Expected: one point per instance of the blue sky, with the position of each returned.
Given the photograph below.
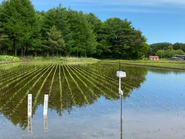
(159, 20)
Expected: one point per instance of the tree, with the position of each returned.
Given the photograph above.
(55, 41)
(83, 38)
(153, 48)
(122, 40)
(20, 23)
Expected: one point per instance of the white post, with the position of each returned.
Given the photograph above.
(121, 74)
(29, 105)
(29, 125)
(45, 112)
(45, 123)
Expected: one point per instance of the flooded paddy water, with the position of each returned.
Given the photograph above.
(84, 102)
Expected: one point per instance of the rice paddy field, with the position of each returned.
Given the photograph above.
(84, 102)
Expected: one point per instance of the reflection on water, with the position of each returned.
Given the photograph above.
(29, 125)
(46, 123)
(84, 102)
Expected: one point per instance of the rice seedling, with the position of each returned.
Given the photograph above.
(69, 87)
(84, 83)
(16, 93)
(17, 78)
(22, 81)
(28, 91)
(60, 85)
(85, 97)
(41, 87)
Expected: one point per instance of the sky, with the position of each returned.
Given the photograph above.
(159, 20)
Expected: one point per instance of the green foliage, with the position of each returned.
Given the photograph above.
(169, 53)
(118, 39)
(55, 42)
(166, 49)
(61, 31)
(8, 58)
(19, 22)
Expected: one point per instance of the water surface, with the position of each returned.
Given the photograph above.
(84, 102)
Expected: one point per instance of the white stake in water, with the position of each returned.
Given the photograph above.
(45, 123)
(121, 74)
(29, 125)
(45, 112)
(29, 105)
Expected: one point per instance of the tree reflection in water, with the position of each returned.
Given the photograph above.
(68, 86)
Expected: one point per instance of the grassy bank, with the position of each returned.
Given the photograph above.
(163, 63)
(67, 60)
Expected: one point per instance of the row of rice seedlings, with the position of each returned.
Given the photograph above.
(126, 101)
(104, 78)
(26, 94)
(154, 95)
(52, 81)
(94, 82)
(16, 93)
(157, 102)
(76, 83)
(159, 98)
(60, 86)
(10, 71)
(41, 87)
(142, 102)
(80, 79)
(69, 87)
(34, 72)
(131, 82)
(14, 73)
(39, 91)
(17, 75)
(128, 85)
(16, 78)
(115, 86)
(92, 74)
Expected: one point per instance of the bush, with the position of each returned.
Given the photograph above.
(8, 58)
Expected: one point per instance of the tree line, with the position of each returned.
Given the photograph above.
(166, 50)
(64, 32)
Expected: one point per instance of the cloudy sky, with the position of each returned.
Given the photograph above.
(159, 20)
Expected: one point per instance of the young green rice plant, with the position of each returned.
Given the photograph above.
(85, 97)
(26, 94)
(52, 81)
(15, 79)
(13, 73)
(96, 82)
(84, 83)
(9, 89)
(104, 79)
(41, 87)
(17, 73)
(69, 87)
(60, 85)
(16, 93)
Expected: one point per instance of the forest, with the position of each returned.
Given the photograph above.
(166, 50)
(62, 31)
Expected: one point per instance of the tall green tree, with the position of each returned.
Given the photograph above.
(57, 17)
(20, 23)
(120, 40)
(55, 42)
(83, 38)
